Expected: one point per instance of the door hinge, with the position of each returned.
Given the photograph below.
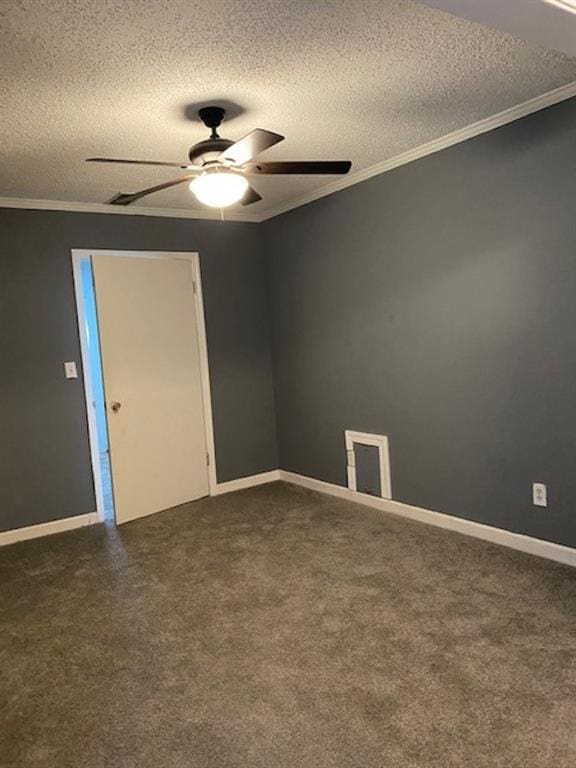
(207, 459)
(194, 286)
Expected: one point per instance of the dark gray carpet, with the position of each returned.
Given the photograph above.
(278, 627)
(106, 480)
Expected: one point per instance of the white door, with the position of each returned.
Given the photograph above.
(152, 382)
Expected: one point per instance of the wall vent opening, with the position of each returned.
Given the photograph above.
(368, 463)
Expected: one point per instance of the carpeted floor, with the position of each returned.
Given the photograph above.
(278, 627)
(106, 479)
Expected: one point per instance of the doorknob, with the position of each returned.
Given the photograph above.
(115, 405)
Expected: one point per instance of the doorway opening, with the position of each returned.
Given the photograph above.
(94, 362)
(146, 380)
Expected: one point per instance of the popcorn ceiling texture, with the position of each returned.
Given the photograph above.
(362, 80)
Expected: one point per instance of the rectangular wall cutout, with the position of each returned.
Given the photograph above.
(375, 486)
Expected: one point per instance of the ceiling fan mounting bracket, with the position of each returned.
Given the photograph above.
(212, 118)
(208, 150)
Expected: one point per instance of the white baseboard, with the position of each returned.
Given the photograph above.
(46, 529)
(246, 482)
(519, 541)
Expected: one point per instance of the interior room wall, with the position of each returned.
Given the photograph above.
(436, 304)
(45, 470)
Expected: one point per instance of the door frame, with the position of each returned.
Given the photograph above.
(78, 256)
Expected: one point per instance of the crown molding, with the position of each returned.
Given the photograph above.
(171, 213)
(524, 109)
(566, 5)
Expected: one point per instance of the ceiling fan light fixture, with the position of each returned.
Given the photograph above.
(223, 165)
(219, 187)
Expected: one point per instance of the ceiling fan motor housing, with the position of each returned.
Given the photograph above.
(208, 150)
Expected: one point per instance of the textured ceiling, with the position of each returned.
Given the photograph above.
(551, 23)
(363, 80)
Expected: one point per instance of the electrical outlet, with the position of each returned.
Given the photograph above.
(70, 370)
(539, 495)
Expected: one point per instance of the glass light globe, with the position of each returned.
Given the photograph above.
(219, 188)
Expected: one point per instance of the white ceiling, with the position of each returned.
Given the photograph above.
(364, 80)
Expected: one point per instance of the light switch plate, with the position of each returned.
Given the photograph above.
(70, 370)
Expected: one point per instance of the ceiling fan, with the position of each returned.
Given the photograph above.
(218, 167)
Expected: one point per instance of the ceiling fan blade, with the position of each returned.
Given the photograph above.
(251, 145)
(299, 167)
(251, 196)
(138, 162)
(131, 197)
(120, 199)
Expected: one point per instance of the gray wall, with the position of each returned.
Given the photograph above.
(437, 304)
(45, 470)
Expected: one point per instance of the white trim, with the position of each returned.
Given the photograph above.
(565, 5)
(205, 373)
(377, 441)
(247, 482)
(504, 117)
(547, 549)
(170, 213)
(456, 137)
(78, 255)
(47, 529)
